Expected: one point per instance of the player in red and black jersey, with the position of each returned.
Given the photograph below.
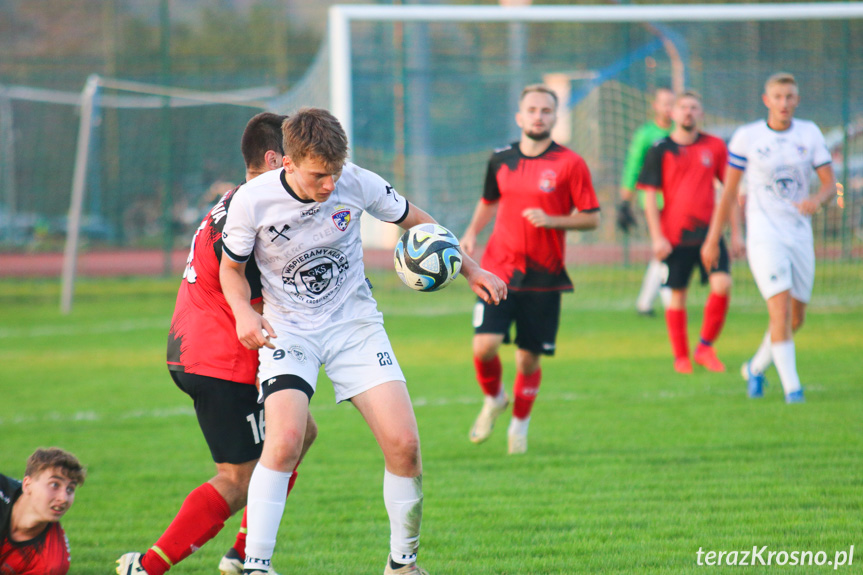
(684, 167)
(207, 362)
(32, 542)
(535, 190)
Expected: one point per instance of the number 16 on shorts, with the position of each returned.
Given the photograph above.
(258, 426)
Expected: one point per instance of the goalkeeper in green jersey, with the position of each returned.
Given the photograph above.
(642, 140)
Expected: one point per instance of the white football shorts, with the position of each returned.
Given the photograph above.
(778, 266)
(357, 356)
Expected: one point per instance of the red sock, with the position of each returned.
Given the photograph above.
(202, 515)
(714, 317)
(675, 319)
(240, 543)
(488, 374)
(525, 389)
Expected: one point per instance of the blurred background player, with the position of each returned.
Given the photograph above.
(643, 138)
(684, 167)
(303, 225)
(535, 190)
(32, 542)
(778, 156)
(207, 362)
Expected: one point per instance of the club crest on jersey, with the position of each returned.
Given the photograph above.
(342, 217)
(548, 181)
(315, 276)
(786, 182)
(706, 159)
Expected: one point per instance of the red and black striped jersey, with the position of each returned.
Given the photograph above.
(203, 338)
(685, 176)
(557, 181)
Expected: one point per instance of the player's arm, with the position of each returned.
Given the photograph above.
(485, 284)
(250, 324)
(582, 221)
(727, 206)
(483, 214)
(825, 192)
(661, 245)
(632, 165)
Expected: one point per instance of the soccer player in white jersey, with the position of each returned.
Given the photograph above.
(778, 156)
(303, 225)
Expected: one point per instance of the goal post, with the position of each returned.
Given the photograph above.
(426, 92)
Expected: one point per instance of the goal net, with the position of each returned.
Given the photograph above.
(426, 93)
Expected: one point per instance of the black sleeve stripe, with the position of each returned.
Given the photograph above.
(404, 215)
(827, 163)
(235, 257)
(590, 211)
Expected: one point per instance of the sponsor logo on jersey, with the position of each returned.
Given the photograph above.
(276, 233)
(342, 217)
(548, 181)
(315, 276)
(310, 212)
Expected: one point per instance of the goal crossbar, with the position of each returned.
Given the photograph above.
(341, 16)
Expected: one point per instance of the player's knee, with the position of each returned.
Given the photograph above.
(797, 321)
(721, 283)
(284, 451)
(405, 451)
(311, 434)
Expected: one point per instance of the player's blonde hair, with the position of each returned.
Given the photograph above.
(540, 88)
(785, 78)
(314, 132)
(54, 457)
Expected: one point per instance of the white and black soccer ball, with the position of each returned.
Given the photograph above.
(427, 257)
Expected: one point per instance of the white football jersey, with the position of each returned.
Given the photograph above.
(310, 254)
(779, 168)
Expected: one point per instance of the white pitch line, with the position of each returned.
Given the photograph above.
(420, 402)
(74, 330)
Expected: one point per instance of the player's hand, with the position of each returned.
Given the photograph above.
(661, 248)
(253, 331)
(537, 217)
(809, 206)
(468, 243)
(489, 287)
(710, 254)
(625, 217)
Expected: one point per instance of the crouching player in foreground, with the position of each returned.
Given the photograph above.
(778, 156)
(302, 224)
(32, 542)
(207, 362)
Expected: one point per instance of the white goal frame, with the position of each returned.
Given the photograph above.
(342, 15)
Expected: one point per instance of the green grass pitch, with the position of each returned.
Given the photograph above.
(631, 468)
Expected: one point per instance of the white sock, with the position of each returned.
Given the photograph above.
(649, 286)
(665, 296)
(403, 498)
(763, 357)
(266, 505)
(786, 364)
(518, 426)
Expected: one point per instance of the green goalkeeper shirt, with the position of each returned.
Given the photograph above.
(644, 137)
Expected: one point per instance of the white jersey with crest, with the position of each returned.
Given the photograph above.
(310, 254)
(779, 168)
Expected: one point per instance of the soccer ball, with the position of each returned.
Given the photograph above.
(427, 257)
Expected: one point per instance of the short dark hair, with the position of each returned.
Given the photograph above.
(262, 134)
(51, 457)
(314, 132)
(690, 94)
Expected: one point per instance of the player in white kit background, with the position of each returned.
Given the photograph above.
(303, 225)
(777, 157)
